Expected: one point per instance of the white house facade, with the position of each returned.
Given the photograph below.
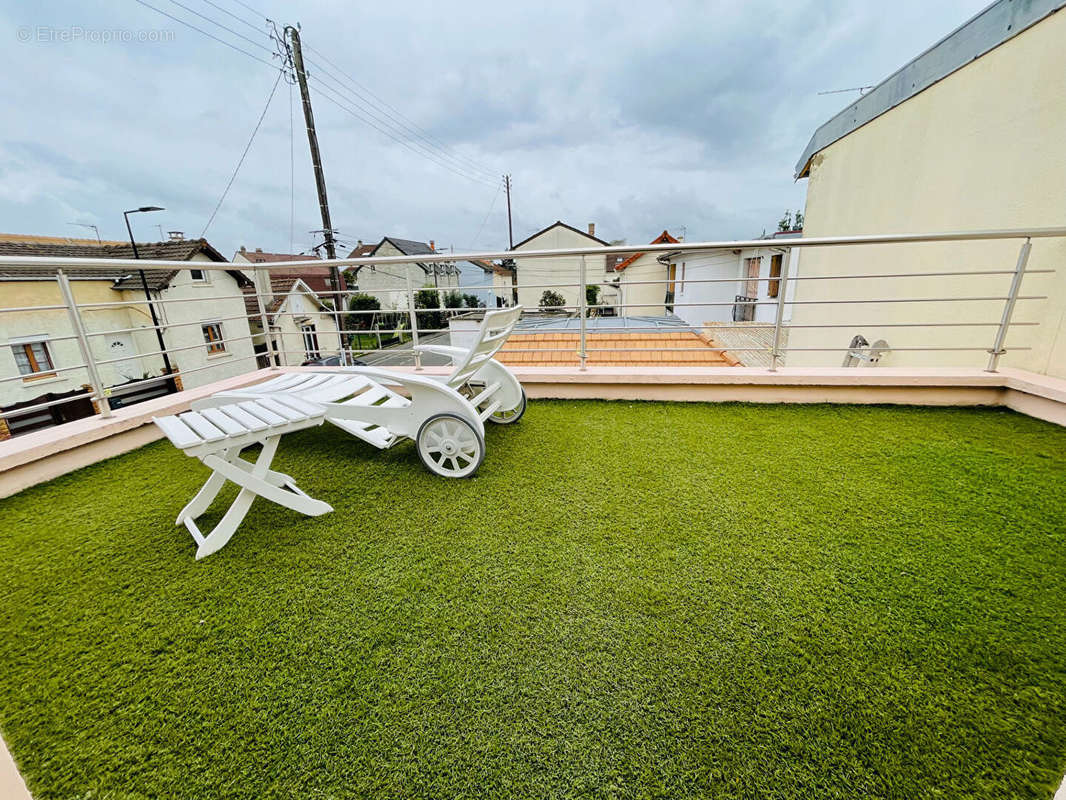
(389, 282)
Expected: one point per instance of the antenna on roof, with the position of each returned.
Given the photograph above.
(859, 89)
(86, 225)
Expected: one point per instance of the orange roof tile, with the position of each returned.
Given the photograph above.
(669, 348)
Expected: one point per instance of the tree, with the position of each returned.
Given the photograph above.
(790, 223)
(471, 301)
(453, 300)
(551, 298)
(363, 302)
(592, 298)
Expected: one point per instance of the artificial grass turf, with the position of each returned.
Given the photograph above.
(629, 600)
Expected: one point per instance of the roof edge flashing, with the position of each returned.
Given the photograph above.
(987, 30)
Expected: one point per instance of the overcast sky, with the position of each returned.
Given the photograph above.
(637, 117)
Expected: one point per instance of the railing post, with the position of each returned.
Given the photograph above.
(83, 342)
(272, 352)
(414, 321)
(582, 300)
(775, 348)
(1008, 309)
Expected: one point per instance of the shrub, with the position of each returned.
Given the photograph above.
(551, 298)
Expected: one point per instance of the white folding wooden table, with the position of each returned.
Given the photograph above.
(217, 436)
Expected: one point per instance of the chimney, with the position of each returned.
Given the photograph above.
(176, 236)
(242, 249)
(259, 249)
(433, 245)
(360, 243)
(592, 229)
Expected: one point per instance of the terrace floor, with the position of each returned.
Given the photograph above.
(629, 599)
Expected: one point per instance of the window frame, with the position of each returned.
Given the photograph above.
(216, 345)
(777, 263)
(25, 344)
(751, 282)
(309, 329)
(203, 275)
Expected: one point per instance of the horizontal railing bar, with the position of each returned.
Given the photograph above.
(39, 406)
(125, 266)
(791, 278)
(40, 375)
(165, 327)
(180, 349)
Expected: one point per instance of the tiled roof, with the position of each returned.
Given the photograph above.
(30, 238)
(182, 250)
(408, 247)
(280, 288)
(623, 350)
(259, 257)
(362, 250)
(662, 238)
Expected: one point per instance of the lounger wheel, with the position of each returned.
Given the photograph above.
(450, 446)
(510, 417)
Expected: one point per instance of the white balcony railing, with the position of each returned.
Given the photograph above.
(395, 330)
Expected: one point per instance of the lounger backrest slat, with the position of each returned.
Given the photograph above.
(254, 408)
(180, 434)
(342, 387)
(223, 422)
(280, 409)
(249, 421)
(282, 384)
(203, 427)
(302, 407)
(495, 329)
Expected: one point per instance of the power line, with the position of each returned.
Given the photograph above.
(391, 132)
(224, 27)
(492, 205)
(231, 14)
(400, 118)
(209, 35)
(326, 93)
(247, 147)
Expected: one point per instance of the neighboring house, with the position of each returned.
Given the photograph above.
(562, 274)
(725, 286)
(316, 277)
(638, 297)
(301, 326)
(389, 282)
(967, 136)
(207, 338)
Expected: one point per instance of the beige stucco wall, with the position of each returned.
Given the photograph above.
(217, 300)
(557, 270)
(644, 299)
(981, 149)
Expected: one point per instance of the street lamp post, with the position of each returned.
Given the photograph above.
(144, 285)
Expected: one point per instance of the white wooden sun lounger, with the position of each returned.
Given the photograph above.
(444, 415)
(217, 435)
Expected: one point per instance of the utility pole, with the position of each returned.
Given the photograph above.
(510, 242)
(320, 180)
(510, 232)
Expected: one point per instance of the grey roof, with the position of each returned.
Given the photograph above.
(999, 22)
(157, 279)
(409, 247)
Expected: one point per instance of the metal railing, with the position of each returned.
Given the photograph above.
(411, 313)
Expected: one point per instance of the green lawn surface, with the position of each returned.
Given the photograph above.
(628, 600)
